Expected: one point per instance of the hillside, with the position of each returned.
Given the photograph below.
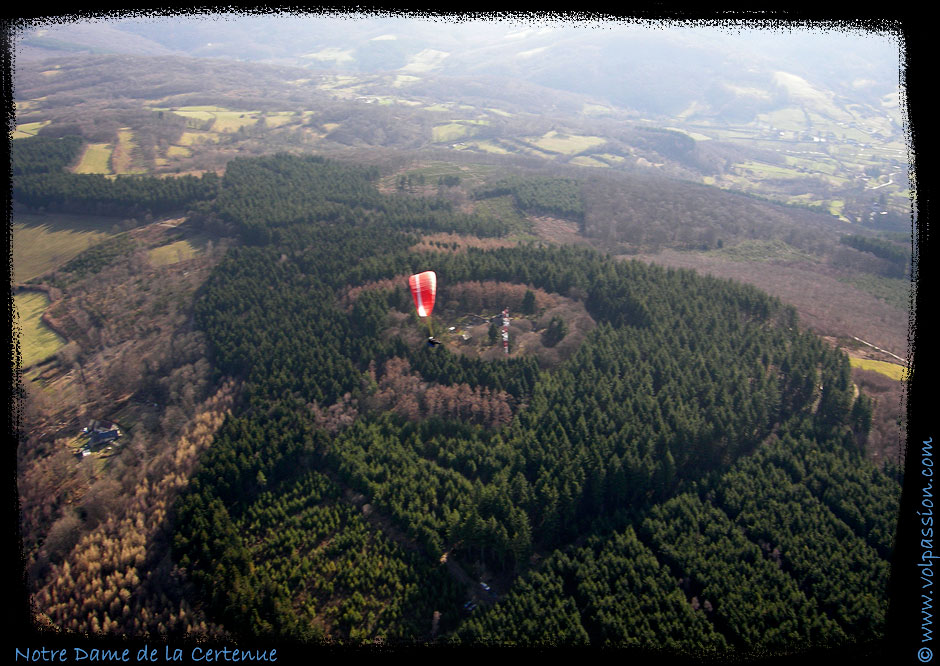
(688, 445)
(423, 472)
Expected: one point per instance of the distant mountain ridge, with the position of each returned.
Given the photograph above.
(706, 72)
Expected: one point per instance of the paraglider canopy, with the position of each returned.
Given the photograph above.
(423, 289)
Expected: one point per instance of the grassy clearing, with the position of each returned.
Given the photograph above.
(280, 118)
(584, 160)
(489, 147)
(455, 130)
(44, 242)
(172, 253)
(503, 208)
(223, 120)
(232, 121)
(892, 370)
(96, 159)
(29, 129)
(178, 151)
(449, 132)
(37, 341)
(566, 144)
(194, 114)
(758, 250)
(195, 138)
(693, 135)
(766, 170)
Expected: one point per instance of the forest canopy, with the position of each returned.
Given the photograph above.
(680, 481)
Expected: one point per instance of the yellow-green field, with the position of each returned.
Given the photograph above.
(766, 170)
(44, 242)
(584, 160)
(596, 110)
(892, 370)
(566, 144)
(195, 138)
(95, 159)
(29, 129)
(280, 118)
(37, 341)
(489, 147)
(232, 121)
(172, 253)
(178, 151)
(455, 130)
(761, 250)
(224, 120)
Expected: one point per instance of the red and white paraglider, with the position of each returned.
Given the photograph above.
(423, 290)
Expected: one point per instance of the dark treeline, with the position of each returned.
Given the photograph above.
(672, 446)
(540, 195)
(260, 196)
(43, 154)
(899, 257)
(130, 196)
(40, 181)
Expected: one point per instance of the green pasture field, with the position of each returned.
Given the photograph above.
(584, 160)
(760, 250)
(566, 144)
(455, 130)
(489, 146)
(280, 118)
(96, 159)
(178, 151)
(231, 121)
(892, 370)
(29, 129)
(37, 341)
(693, 135)
(610, 158)
(225, 120)
(172, 253)
(194, 138)
(765, 170)
(44, 242)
